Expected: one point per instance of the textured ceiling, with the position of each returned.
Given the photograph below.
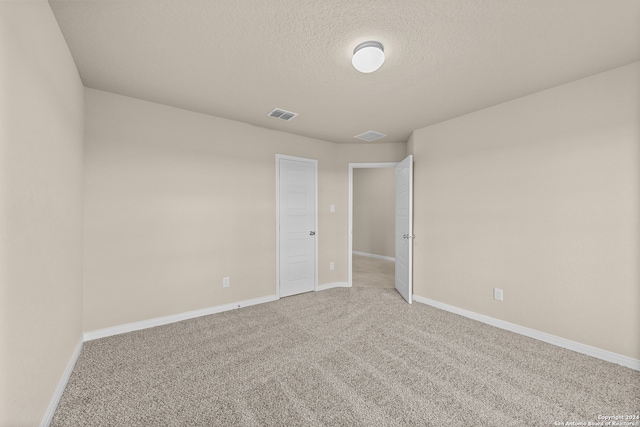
(239, 59)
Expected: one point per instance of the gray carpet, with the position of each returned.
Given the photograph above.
(353, 357)
(368, 272)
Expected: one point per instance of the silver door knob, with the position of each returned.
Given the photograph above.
(312, 233)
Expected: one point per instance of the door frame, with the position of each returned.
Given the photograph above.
(315, 169)
(352, 166)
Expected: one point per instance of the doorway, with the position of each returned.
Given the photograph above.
(373, 254)
(403, 223)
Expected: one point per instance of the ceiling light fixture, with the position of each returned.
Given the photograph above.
(368, 56)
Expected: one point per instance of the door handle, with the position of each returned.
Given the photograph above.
(407, 236)
(312, 233)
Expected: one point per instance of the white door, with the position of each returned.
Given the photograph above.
(297, 225)
(404, 227)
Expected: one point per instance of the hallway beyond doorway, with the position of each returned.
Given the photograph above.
(371, 272)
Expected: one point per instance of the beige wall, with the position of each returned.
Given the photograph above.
(539, 196)
(175, 200)
(374, 211)
(41, 126)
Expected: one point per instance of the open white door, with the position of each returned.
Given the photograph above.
(404, 227)
(297, 195)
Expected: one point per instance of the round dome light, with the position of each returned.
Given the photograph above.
(368, 57)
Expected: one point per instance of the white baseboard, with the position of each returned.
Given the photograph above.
(599, 353)
(387, 258)
(57, 395)
(333, 285)
(158, 321)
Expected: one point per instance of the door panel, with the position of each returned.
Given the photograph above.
(404, 228)
(297, 219)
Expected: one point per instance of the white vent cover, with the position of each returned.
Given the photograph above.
(281, 114)
(370, 135)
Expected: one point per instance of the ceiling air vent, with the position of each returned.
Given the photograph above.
(370, 135)
(282, 114)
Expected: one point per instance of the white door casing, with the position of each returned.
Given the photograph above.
(404, 228)
(297, 225)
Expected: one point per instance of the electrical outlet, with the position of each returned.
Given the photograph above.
(331, 266)
(332, 208)
(498, 294)
(225, 282)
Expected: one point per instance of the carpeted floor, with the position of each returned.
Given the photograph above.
(368, 272)
(345, 356)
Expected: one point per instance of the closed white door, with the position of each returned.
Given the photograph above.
(404, 227)
(297, 196)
